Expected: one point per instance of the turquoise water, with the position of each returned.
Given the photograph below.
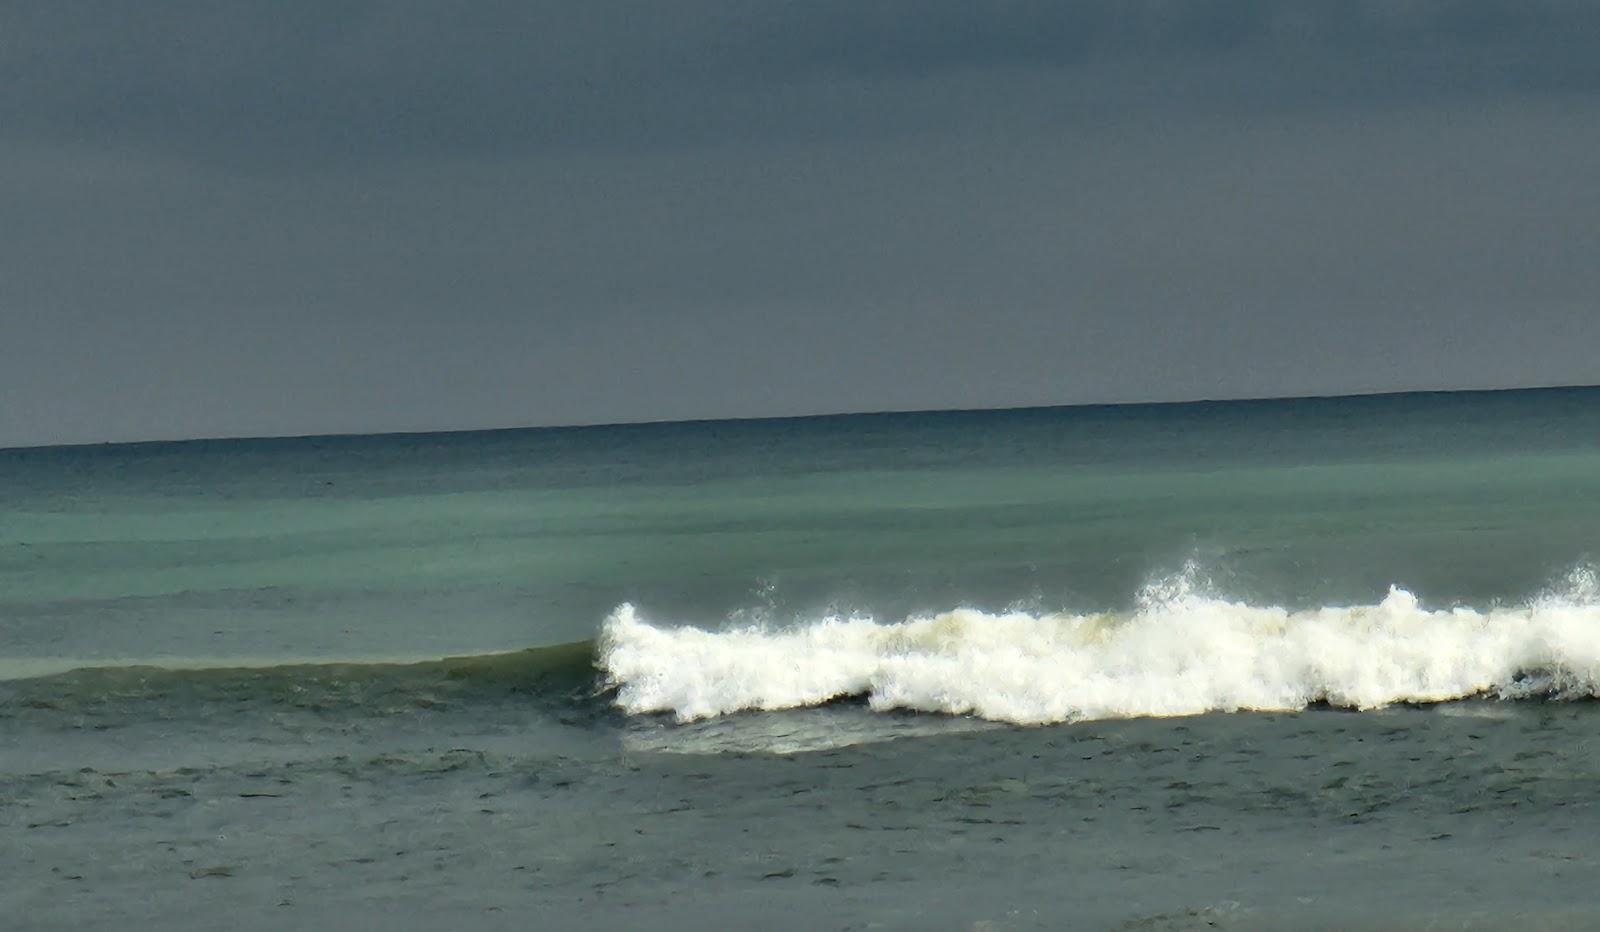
(423, 545)
(1268, 665)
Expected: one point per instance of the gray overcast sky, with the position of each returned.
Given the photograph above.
(300, 217)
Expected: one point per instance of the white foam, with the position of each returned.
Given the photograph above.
(1178, 653)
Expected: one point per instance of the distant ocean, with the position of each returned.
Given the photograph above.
(1319, 663)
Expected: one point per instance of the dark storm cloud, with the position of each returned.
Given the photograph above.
(402, 80)
(293, 217)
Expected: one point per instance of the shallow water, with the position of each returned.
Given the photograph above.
(489, 814)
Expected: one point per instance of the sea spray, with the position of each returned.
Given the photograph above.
(1180, 651)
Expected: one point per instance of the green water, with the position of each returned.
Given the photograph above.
(422, 545)
(261, 784)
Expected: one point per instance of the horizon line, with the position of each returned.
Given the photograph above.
(814, 416)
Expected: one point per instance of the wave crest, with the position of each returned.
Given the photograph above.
(1178, 653)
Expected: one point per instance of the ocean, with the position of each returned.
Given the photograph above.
(1292, 664)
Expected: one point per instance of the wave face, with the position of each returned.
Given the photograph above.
(1179, 652)
(558, 673)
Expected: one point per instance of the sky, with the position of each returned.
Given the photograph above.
(244, 219)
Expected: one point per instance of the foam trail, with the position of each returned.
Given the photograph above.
(1178, 653)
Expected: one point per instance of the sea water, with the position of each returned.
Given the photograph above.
(1321, 662)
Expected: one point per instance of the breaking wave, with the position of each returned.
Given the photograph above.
(1180, 651)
